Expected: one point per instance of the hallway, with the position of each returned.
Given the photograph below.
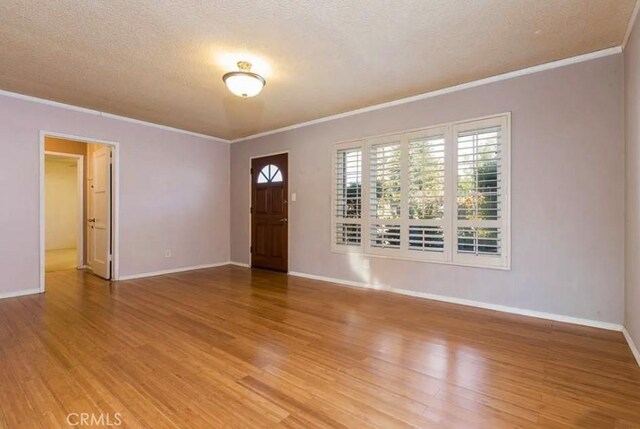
(60, 260)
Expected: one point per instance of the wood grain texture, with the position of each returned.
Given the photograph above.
(269, 213)
(240, 348)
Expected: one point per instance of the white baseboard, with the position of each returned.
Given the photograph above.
(471, 303)
(332, 280)
(20, 293)
(514, 310)
(632, 345)
(172, 271)
(239, 264)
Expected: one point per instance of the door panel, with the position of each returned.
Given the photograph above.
(269, 212)
(278, 206)
(277, 233)
(261, 205)
(100, 215)
(260, 247)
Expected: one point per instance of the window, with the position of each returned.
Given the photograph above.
(348, 191)
(270, 174)
(439, 194)
(426, 192)
(385, 195)
(479, 189)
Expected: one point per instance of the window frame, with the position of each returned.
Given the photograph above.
(449, 222)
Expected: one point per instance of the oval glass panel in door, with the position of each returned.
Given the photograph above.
(269, 174)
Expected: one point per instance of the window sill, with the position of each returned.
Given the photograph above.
(427, 261)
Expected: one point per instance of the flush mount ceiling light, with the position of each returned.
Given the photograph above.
(244, 83)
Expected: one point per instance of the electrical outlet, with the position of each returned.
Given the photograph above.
(167, 253)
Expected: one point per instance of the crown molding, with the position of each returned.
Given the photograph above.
(448, 90)
(632, 21)
(107, 115)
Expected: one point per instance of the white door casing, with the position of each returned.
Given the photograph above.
(114, 200)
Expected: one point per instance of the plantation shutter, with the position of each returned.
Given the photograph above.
(480, 221)
(426, 191)
(437, 194)
(348, 197)
(385, 195)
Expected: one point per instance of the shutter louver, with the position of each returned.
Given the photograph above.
(426, 178)
(426, 238)
(348, 197)
(479, 241)
(385, 181)
(348, 234)
(385, 236)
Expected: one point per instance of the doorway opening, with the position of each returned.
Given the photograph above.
(270, 212)
(78, 205)
(64, 211)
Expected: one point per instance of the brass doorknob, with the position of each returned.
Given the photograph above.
(284, 219)
(93, 219)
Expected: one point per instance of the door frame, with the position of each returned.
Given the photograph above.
(80, 209)
(288, 202)
(115, 198)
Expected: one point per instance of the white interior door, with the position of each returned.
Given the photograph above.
(100, 213)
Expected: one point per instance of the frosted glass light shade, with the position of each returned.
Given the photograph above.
(244, 84)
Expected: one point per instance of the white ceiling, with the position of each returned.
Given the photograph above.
(162, 60)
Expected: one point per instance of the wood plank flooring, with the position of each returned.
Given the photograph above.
(239, 348)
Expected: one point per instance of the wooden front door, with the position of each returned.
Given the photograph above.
(269, 211)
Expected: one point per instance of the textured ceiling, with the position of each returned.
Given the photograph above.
(162, 60)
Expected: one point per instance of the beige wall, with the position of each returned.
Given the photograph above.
(174, 192)
(567, 193)
(632, 108)
(61, 203)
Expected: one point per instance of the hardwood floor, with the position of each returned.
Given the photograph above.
(232, 347)
(60, 260)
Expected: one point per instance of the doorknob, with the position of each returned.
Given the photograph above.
(284, 219)
(92, 220)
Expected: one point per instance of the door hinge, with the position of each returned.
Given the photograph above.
(110, 258)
